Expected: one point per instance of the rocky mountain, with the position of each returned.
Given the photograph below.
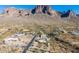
(69, 13)
(15, 12)
(39, 9)
(44, 9)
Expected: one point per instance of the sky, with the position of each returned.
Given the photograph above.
(61, 8)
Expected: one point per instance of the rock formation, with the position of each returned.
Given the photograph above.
(43, 9)
(69, 13)
(15, 12)
(11, 11)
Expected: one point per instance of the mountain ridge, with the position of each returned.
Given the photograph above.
(39, 9)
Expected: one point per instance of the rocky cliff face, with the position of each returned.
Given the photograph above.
(43, 9)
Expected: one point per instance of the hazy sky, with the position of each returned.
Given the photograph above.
(61, 8)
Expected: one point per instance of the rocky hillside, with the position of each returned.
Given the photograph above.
(15, 12)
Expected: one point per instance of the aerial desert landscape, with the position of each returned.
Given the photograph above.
(39, 30)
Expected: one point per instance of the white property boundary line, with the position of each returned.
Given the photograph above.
(39, 2)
